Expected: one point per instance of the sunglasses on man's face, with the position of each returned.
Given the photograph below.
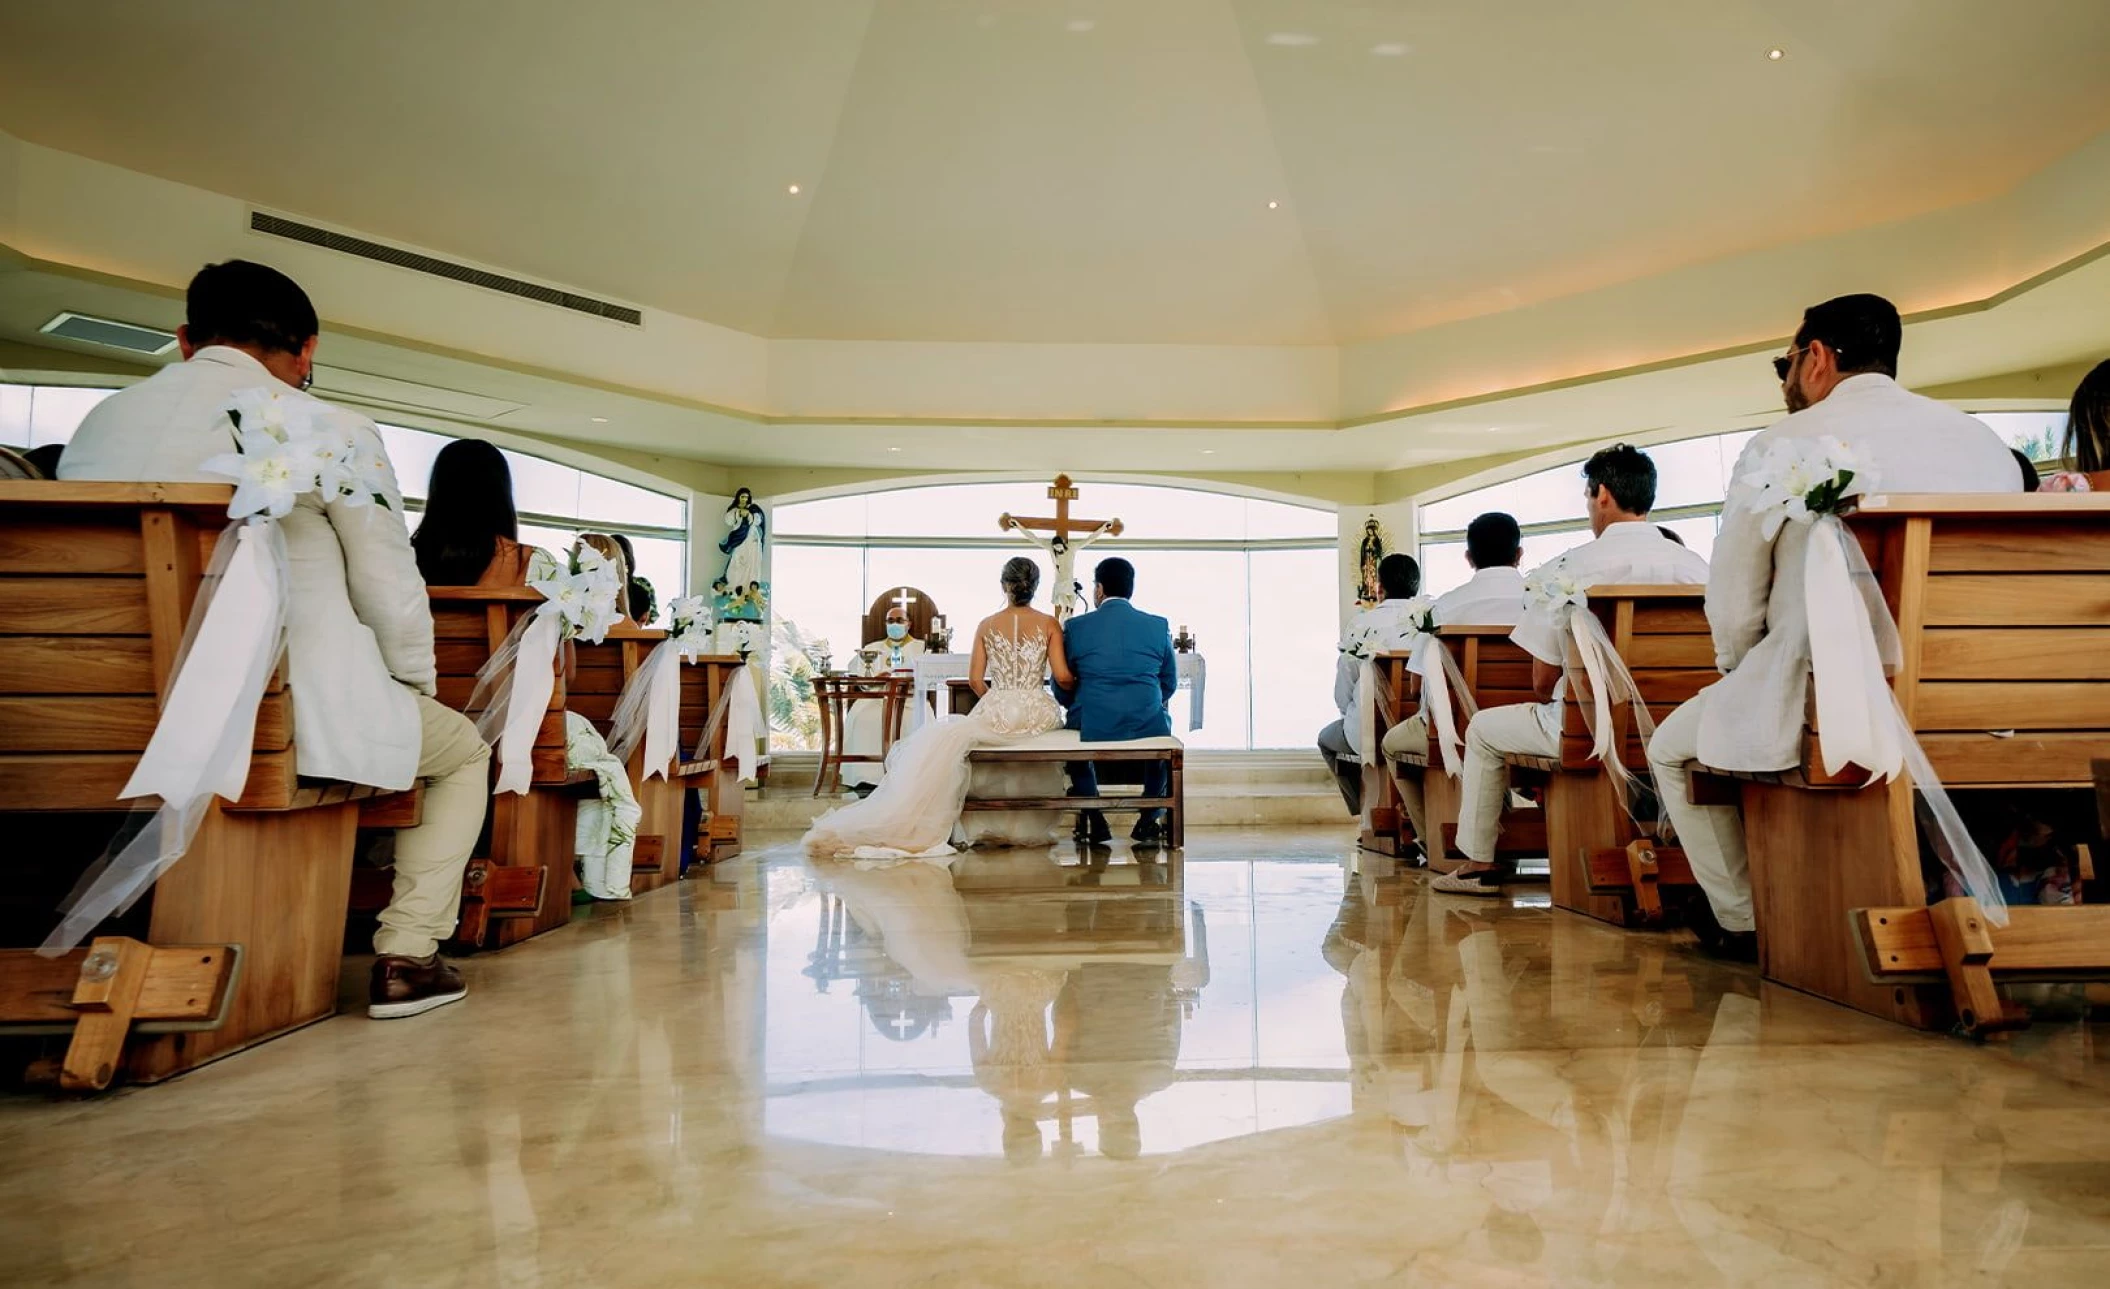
(1785, 363)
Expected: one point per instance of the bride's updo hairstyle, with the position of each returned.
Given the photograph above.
(1021, 579)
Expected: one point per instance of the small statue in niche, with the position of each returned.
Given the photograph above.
(1368, 557)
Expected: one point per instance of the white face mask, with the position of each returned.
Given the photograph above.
(897, 630)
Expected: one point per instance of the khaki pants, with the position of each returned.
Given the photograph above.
(1411, 735)
(1347, 775)
(455, 764)
(1526, 729)
(1713, 836)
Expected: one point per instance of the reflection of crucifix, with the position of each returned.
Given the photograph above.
(1063, 543)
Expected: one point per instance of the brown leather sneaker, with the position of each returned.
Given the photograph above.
(411, 986)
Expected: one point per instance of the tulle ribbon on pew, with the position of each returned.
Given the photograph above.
(200, 748)
(649, 708)
(1600, 682)
(1854, 646)
(1404, 635)
(513, 687)
(286, 445)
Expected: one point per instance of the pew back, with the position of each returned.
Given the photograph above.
(1660, 633)
(520, 881)
(2003, 612)
(97, 582)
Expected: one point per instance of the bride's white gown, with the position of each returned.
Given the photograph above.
(913, 812)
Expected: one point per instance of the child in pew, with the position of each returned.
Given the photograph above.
(2032, 839)
(470, 536)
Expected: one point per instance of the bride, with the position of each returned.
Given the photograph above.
(913, 812)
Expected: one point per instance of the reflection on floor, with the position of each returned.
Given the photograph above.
(1278, 1063)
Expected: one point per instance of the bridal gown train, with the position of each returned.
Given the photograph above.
(913, 812)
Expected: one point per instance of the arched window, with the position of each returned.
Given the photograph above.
(1253, 580)
(556, 502)
(1692, 477)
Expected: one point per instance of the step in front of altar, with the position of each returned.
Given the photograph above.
(1223, 790)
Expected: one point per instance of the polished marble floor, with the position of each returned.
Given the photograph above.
(1274, 1065)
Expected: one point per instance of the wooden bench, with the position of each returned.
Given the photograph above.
(1497, 674)
(2003, 612)
(241, 939)
(1387, 828)
(1602, 863)
(670, 829)
(1061, 747)
(520, 879)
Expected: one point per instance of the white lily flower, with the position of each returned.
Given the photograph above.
(269, 475)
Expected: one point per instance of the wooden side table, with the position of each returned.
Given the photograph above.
(835, 694)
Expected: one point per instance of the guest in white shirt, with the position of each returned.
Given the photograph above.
(1619, 489)
(1839, 380)
(1381, 628)
(1492, 597)
(359, 631)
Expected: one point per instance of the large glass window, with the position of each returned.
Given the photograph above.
(556, 502)
(1252, 580)
(1692, 479)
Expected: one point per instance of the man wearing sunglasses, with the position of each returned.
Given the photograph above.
(1839, 380)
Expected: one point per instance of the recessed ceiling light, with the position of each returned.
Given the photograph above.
(1208, 452)
(793, 190)
(1291, 39)
(1390, 49)
(1273, 204)
(1775, 55)
(599, 420)
(893, 449)
(1080, 25)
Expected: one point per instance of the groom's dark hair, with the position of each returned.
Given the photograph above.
(236, 302)
(1116, 577)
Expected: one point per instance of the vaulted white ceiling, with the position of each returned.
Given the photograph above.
(1089, 171)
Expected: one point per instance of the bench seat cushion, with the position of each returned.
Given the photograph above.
(1070, 741)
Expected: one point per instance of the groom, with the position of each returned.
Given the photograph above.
(1125, 675)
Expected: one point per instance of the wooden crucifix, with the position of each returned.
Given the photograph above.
(1066, 536)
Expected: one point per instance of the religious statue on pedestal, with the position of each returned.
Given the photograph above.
(1368, 557)
(741, 593)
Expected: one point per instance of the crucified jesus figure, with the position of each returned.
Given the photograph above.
(1065, 538)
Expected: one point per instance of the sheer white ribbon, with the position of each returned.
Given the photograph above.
(1441, 685)
(649, 709)
(743, 726)
(1853, 646)
(513, 690)
(1603, 686)
(233, 640)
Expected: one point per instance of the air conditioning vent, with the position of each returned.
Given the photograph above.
(130, 337)
(278, 226)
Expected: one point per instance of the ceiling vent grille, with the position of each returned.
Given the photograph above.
(278, 226)
(130, 337)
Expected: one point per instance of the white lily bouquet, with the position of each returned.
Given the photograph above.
(1553, 588)
(1417, 619)
(690, 623)
(584, 595)
(287, 445)
(1795, 480)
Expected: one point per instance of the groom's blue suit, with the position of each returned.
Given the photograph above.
(1126, 674)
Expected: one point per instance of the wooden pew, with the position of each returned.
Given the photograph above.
(663, 847)
(242, 939)
(520, 880)
(1602, 864)
(2003, 612)
(1388, 830)
(1061, 747)
(1497, 674)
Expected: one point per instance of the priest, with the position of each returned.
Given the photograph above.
(862, 730)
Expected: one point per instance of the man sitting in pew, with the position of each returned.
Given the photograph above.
(1840, 381)
(1492, 597)
(1619, 489)
(1381, 628)
(359, 634)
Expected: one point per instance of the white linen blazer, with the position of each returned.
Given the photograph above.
(1754, 715)
(359, 630)
(1491, 597)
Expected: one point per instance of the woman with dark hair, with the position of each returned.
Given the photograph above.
(470, 536)
(2087, 436)
(915, 811)
(470, 533)
(642, 602)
